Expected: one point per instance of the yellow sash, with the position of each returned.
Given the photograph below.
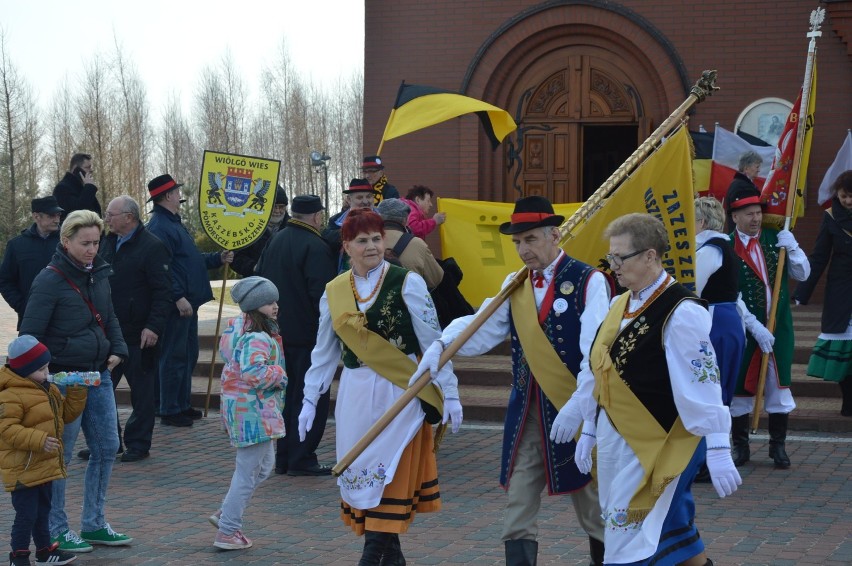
(557, 382)
(374, 351)
(663, 455)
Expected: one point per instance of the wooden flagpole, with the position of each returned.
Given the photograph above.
(703, 88)
(216, 337)
(816, 19)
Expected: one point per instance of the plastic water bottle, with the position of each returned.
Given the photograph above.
(87, 378)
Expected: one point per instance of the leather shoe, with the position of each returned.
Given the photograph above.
(85, 453)
(194, 414)
(134, 455)
(315, 470)
(176, 420)
(280, 470)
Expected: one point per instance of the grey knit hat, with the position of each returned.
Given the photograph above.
(394, 210)
(253, 292)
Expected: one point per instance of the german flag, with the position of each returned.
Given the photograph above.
(419, 107)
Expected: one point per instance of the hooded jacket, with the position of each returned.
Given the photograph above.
(58, 317)
(29, 413)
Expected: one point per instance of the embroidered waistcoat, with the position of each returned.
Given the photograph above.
(639, 355)
(388, 316)
(562, 330)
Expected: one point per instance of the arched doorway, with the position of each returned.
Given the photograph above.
(586, 82)
(576, 126)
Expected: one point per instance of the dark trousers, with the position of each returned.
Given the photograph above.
(32, 507)
(140, 370)
(178, 356)
(292, 454)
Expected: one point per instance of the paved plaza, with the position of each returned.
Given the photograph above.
(799, 516)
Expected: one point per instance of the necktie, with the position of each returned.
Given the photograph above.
(538, 279)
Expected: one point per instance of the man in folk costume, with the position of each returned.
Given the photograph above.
(661, 411)
(552, 322)
(758, 248)
(374, 171)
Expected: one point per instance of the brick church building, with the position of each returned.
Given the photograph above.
(588, 80)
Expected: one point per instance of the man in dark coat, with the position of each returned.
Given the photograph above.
(300, 263)
(28, 253)
(359, 195)
(141, 296)
(190, 290)
(246, 259)
(374, 171)
(77, 190)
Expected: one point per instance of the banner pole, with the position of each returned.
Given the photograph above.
(816, 20)
(704, 87)
(216, 338)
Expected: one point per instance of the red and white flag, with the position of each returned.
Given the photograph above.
(843, 162)
(727, 149)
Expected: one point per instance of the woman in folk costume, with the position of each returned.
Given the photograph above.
(831, 358)
(657, 383)
(380, 318)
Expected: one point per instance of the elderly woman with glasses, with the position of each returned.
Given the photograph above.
(657, 383)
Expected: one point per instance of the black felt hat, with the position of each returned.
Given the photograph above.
(531, 212)
(359, 186)
(306, 204)
(743, 196)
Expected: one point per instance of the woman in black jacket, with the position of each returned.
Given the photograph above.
(832, 355)
(70, 311)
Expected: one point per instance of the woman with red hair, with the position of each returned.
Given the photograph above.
(380, 318)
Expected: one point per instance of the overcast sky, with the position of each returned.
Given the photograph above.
(170, 41)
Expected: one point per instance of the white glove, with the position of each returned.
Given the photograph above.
(764, 338)
(565, 424)
(724, 474)
(787, 240)
(583, 452)
(429, 362)
(453, 412)
(306, 418)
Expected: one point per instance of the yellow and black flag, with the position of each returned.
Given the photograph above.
(419, 107)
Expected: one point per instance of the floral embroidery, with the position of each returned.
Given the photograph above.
(429, 315)
(364, 478)
(705, 368)
(627, 340)
(391, 319)
(616, 520)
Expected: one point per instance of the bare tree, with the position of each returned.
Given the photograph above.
(20, 158)
(220, 104)
(179, 155)
(130, 152)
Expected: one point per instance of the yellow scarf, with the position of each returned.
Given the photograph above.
(557, 382)
(372, 349)
(663, 455)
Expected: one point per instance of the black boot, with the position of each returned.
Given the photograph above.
(846, 390)
(19, 558)
(596, 551)
(393, 553)
(739, 435)
(777, 435)
(375, 544)
(521, 552)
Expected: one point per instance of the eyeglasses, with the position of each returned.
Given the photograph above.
(617, 261)
(109, 215)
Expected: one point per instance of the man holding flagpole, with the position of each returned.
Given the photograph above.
(552, 322)
(758, 248)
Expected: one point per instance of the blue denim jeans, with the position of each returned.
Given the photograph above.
(178, 356)
(98, 424)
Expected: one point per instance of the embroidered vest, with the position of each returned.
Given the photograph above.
(388, 317)
(723, 285)
(639, 356)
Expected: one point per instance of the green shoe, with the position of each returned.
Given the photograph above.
(105, 536)
(69, 541)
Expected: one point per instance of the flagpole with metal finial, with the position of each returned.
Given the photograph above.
(795, 192)
(703, 88)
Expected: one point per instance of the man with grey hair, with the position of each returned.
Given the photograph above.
(141, 296)
(747, 169)
(405, 248)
